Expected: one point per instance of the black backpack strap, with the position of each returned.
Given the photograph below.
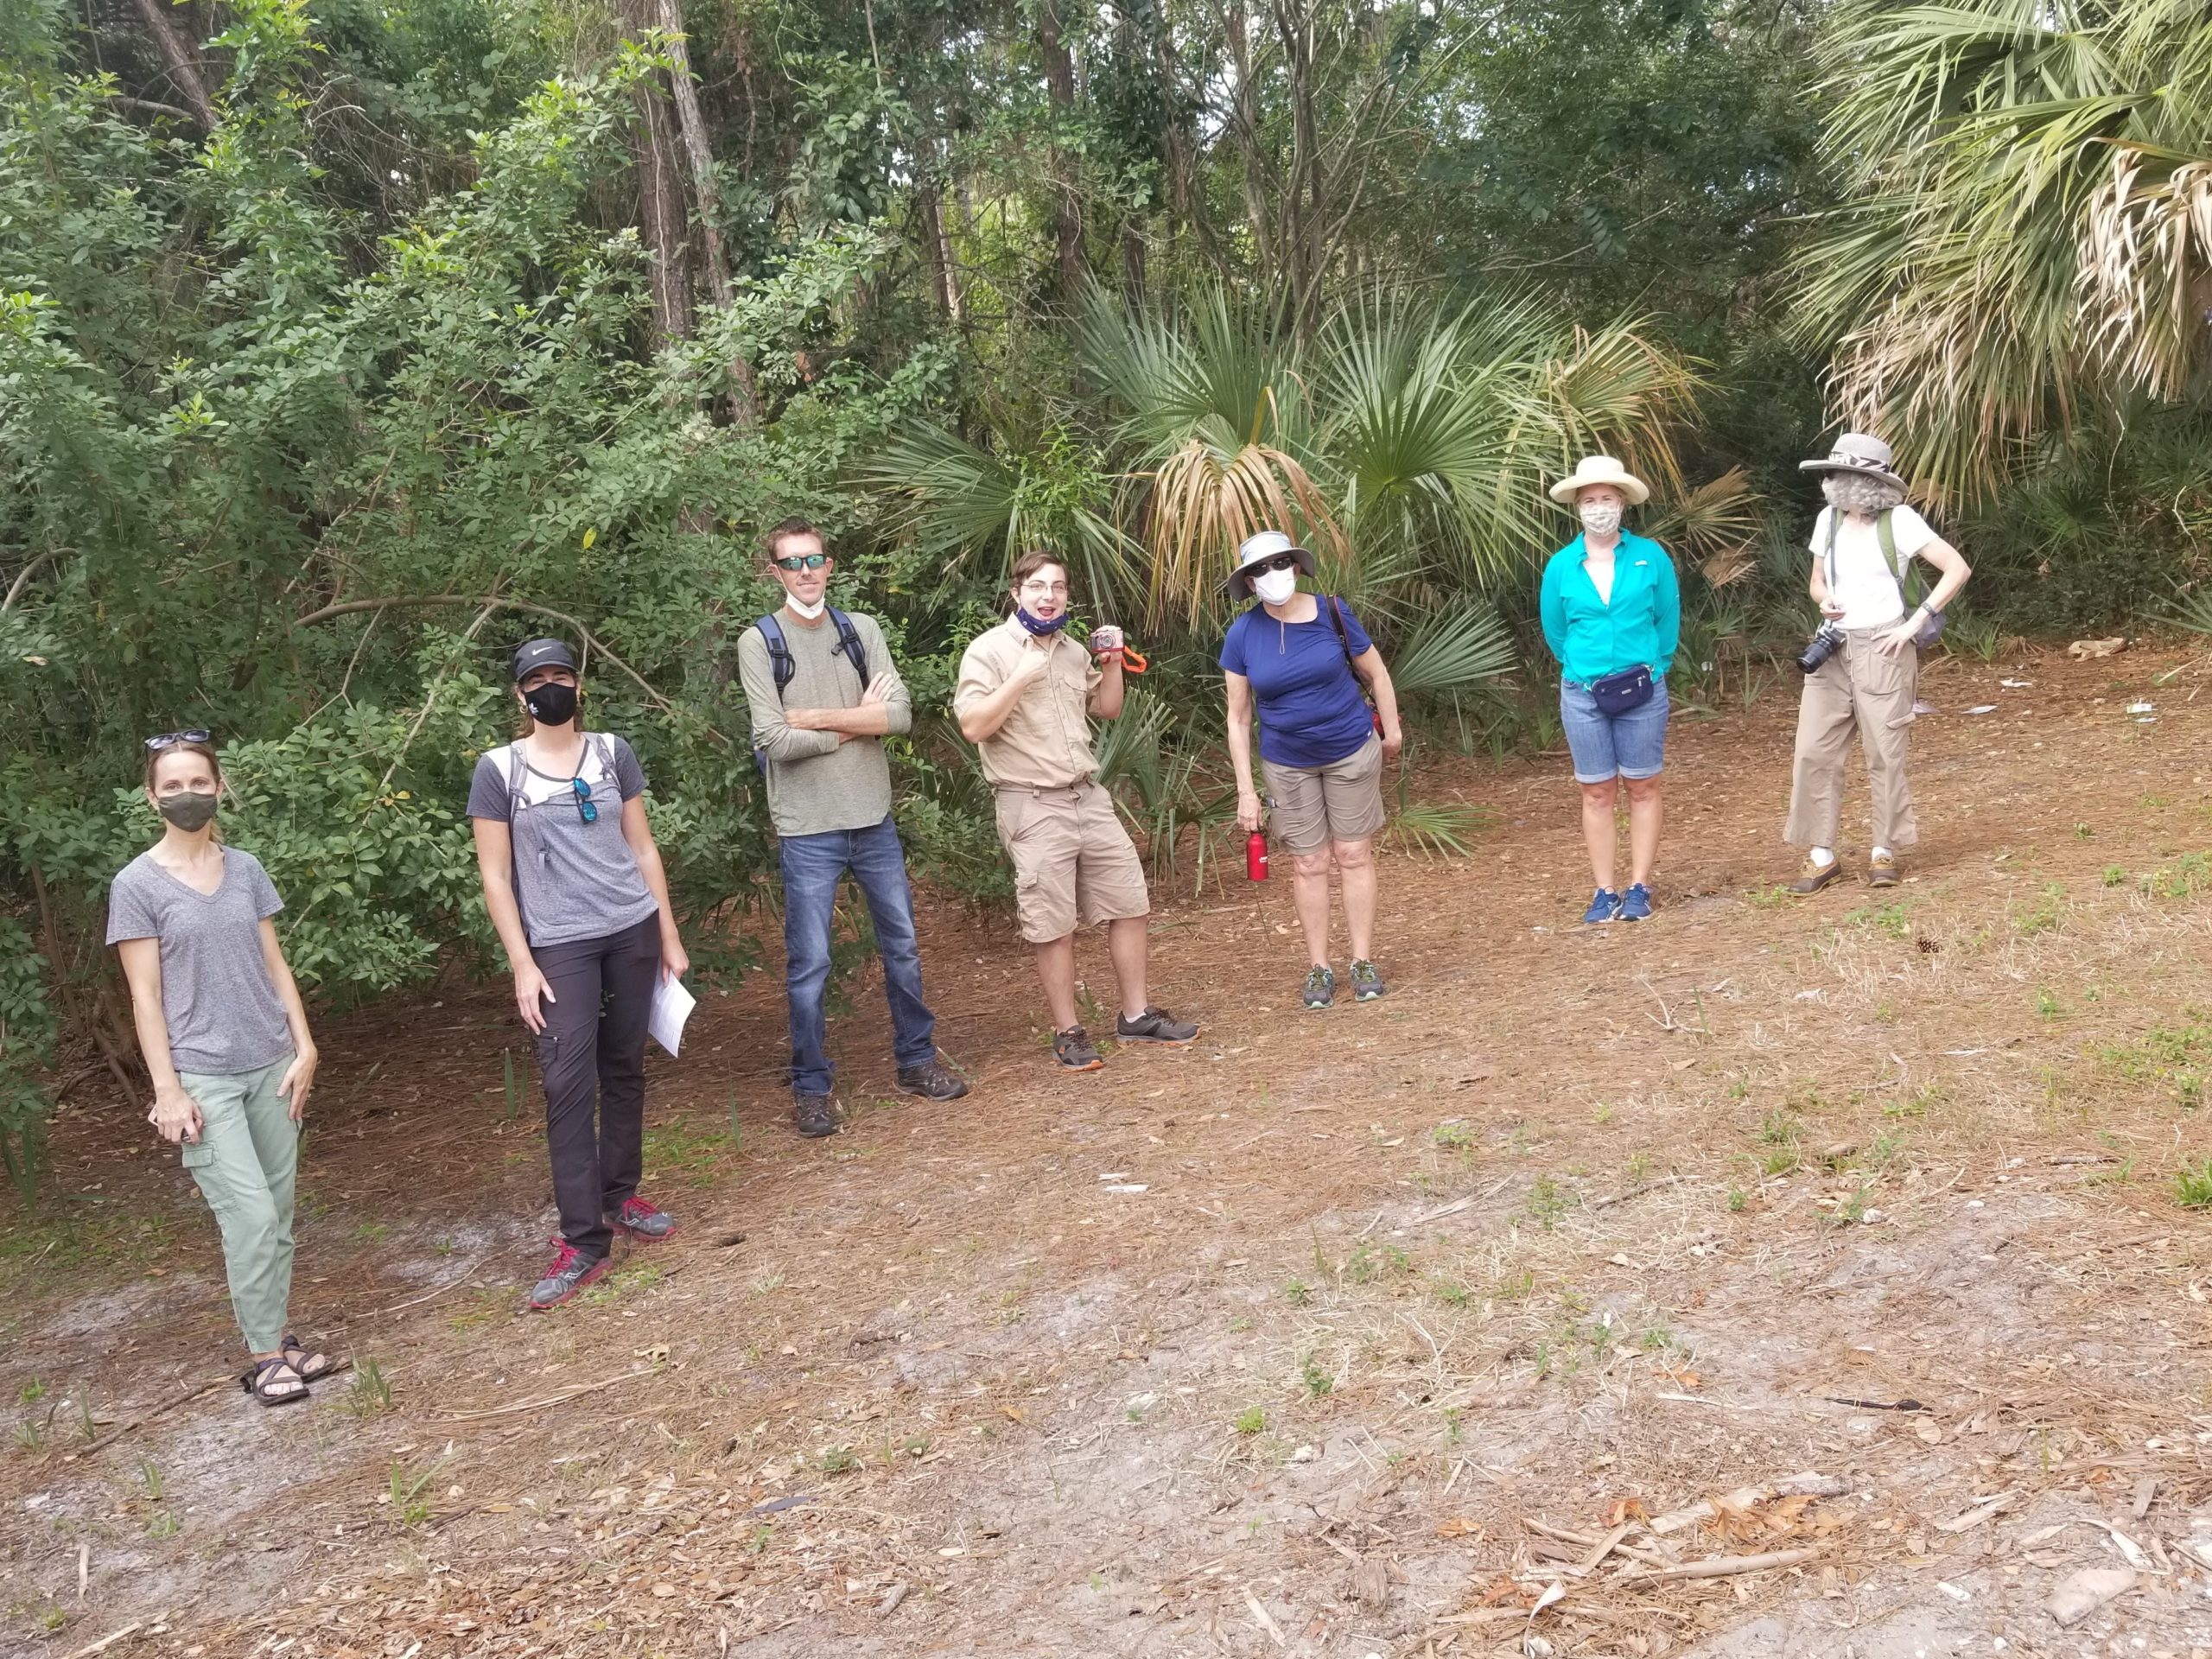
(779, 654)
(848, 641)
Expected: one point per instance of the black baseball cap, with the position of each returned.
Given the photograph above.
(543, 653)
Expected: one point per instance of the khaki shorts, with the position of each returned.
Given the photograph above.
(1341, 801)
(1071, 858)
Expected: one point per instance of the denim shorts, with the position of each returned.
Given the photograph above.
(1633, 744)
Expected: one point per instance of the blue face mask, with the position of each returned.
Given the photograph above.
(1041, 629)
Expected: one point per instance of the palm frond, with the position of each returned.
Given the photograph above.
(1438, 832)
(1459, 649)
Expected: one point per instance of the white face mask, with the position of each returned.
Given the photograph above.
(1601, 517)
(1275, 587)
(809, 611)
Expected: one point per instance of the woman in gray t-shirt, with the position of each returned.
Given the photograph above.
(573, 881)
(226, 1042)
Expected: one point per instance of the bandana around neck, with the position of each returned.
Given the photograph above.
(1043, 630)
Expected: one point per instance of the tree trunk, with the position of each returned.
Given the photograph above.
(945, 280)
(1059, 82)
(661, 217)
(182, 63)
(744, 404)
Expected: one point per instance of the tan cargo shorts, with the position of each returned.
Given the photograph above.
(1341, 801)
(1072, 860)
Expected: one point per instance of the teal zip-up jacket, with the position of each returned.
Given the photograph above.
(1644, 623)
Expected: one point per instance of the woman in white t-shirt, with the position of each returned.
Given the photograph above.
(1863, 546)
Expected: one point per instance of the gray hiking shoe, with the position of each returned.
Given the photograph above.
(1074, 1050)
(935, 1081)
(645, 1222)
(1154, 1026)
(1320, 990)
(571, 1272)
(1366, 981)
(816, 1115)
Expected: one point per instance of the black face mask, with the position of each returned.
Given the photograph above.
(552, 704)
(188, 809)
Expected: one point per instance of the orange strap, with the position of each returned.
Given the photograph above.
(1131, 661)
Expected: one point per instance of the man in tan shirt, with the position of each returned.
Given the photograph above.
(1024, 699)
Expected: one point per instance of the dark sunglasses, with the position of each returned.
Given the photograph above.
(801, 562)
(1280, 561)
(170, 739)
(587, 809)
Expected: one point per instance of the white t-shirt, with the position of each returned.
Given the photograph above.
(1864, 582)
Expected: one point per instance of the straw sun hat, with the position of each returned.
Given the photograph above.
(1600, 469)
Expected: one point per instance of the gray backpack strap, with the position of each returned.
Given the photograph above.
(516, 764)
(605, 750)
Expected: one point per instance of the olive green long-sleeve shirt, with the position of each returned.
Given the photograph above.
(816, 784)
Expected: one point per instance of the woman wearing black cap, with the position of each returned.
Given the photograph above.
(574, 886)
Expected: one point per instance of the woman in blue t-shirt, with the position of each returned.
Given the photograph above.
(1612, 616)
(1312, 668)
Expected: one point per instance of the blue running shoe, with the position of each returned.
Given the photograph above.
(1605, 904)
(1635, 905)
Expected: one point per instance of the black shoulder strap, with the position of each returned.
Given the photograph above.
(1343, 637)
(848, 641)
(779, 654)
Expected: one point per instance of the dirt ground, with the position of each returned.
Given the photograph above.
(1409, 1329)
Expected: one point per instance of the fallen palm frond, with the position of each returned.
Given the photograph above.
(1438, 832)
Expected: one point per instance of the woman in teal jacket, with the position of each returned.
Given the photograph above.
(1612, 615)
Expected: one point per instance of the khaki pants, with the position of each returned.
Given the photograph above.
(1857, 686)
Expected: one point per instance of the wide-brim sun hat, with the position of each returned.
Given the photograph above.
(1859, 452)
(1257, 551)
(1600, 469)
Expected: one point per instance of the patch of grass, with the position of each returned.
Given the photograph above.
(1453, 1134)
(2115, 875)
(31, 1393)
(2043, 915)
(1892, 919)
(2193, 1185)
(163, 1524)
(1738, 1201)
(1451, 1295)
(2047, 1003)
(480, 1310)
(1637, 1168)
(1251, 1420)
(1547, 1202)
(368, 1391)
(410, 1507)
(837, 1460)
(1779, 1128)
(2119, 1175)
(1517, 1285)
(1317, 1382)
(1298, 1293)
(1853, 1210)
(677, 1150)
(616, 1286)
(149, 1476)
(1777, 897)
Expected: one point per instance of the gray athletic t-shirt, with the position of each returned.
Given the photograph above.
(574, 881)
(217, 1000)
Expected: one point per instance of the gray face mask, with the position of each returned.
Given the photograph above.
(188, 809)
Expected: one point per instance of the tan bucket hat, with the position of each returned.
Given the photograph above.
(1600, 469)
(1858, 451)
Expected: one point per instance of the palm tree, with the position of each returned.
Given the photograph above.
(2033, 233)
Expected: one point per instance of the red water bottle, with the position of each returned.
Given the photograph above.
(1255, 855)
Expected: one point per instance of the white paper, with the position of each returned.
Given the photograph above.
(672, 1006)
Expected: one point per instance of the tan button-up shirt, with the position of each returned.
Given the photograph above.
(1045, 742)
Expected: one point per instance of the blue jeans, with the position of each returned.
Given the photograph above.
(1605, 746)
(812, 866)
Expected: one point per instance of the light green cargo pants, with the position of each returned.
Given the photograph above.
(244, 1161)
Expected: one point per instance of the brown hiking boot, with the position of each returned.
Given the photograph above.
(1882, 870)
(1813, 876)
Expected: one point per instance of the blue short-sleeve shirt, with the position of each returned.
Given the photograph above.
(1313, 710)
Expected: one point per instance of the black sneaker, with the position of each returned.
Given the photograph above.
(1320, 990)
(816, 1115)
(1073, 1049)
(1154, 1026)
(1366, 981)
(932, 1081)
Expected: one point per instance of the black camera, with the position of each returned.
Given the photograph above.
(1821, 646)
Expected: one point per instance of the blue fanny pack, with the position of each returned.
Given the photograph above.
(1622, 693)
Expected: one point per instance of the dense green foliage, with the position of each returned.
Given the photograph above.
(342, 345)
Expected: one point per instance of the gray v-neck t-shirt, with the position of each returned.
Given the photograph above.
(217, 1000)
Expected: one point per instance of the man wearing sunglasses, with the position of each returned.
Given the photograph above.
(824, 695)
(1025, 698)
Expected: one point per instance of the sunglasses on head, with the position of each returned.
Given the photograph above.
(1280, 561)
(801, 562)
(170, 739)
(587, 809)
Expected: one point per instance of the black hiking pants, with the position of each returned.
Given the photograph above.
(592, 1054)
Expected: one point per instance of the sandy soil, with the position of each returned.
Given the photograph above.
(1406, 1329)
